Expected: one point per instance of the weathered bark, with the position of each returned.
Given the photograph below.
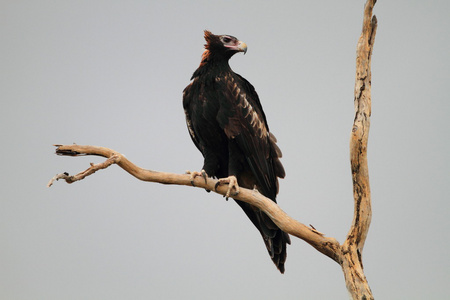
(349, 254)
(352, 248)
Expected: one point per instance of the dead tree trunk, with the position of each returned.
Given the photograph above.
(353, 246)
(349, 254)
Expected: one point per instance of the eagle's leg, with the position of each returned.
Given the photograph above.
(232, 183)
(235, 158)
(196, 174)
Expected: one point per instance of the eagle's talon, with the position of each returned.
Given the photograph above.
(216, 185)
(232, 183)
(194, 174)
(205, 176)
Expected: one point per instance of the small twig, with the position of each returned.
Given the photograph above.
(316, 231)
(89, 171)
(57, 177)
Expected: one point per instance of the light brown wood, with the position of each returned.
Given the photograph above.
(285, 222)
(349, 254)
(352, 248)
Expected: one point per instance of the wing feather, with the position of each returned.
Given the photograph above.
(187, 100)
(243, 119)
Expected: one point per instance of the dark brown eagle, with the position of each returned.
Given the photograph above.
(227, 124)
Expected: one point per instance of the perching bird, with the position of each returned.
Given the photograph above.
(227, 124)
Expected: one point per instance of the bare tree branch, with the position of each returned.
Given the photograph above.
(349, 254)
(352, 265)
(326, 245)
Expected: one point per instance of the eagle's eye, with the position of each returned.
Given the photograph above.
(226, 39)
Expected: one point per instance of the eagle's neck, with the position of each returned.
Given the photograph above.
(212, 64)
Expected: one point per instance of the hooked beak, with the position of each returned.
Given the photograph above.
(242, 47)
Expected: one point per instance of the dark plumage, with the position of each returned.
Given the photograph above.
(227, 124)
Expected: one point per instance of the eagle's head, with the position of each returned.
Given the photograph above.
(223, 45)
(218, 50)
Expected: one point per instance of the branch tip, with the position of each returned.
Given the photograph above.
(316, 231)
(57, 177)
(374, 20)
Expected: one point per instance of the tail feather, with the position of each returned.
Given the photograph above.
(274, 238)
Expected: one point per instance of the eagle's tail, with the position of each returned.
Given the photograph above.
(275, 239)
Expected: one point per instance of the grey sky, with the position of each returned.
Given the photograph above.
(111, 73)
